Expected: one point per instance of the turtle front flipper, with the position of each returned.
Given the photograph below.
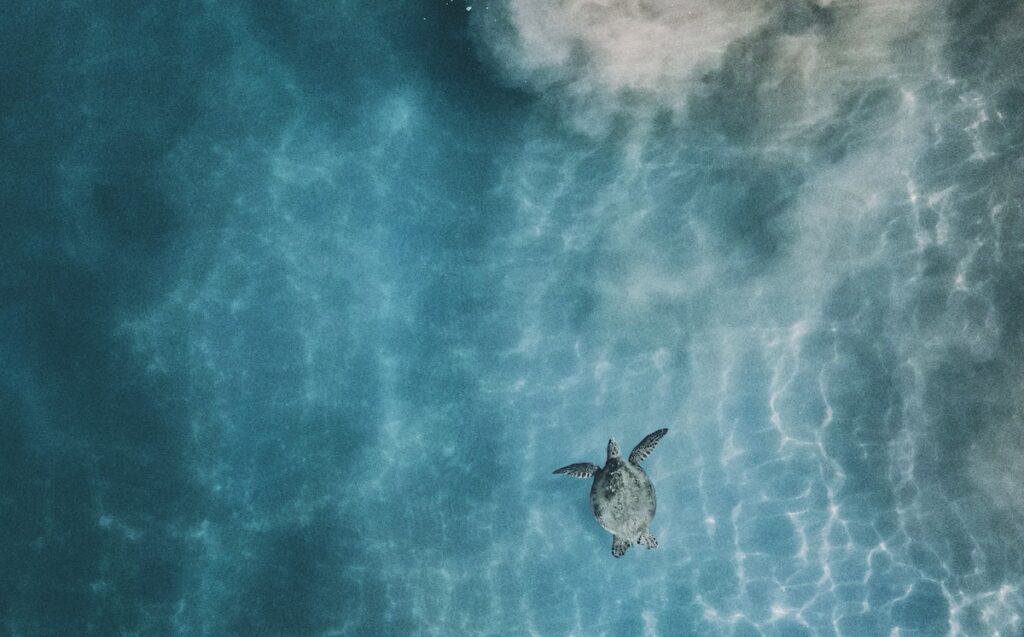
(578, 470)
(648, 540)
(619, 546)
(646, 446)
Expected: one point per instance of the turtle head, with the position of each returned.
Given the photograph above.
(613, 449)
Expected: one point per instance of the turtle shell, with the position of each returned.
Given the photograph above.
(622, 499)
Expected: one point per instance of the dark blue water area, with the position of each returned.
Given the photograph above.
(301, 303)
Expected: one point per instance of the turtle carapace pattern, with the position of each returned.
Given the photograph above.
(622, 496)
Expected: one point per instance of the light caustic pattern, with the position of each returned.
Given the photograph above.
(342, 288)
(804, 263)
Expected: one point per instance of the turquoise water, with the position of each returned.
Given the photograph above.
(302, 303)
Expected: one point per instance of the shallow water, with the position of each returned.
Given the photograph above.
(302, 304)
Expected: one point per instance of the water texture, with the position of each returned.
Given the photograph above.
(302, 302)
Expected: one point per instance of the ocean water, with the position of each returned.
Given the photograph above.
(302, 302)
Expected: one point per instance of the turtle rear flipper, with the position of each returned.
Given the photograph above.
(620, 546)
(648, 540)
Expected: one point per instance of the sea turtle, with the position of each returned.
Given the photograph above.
(622, 496)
